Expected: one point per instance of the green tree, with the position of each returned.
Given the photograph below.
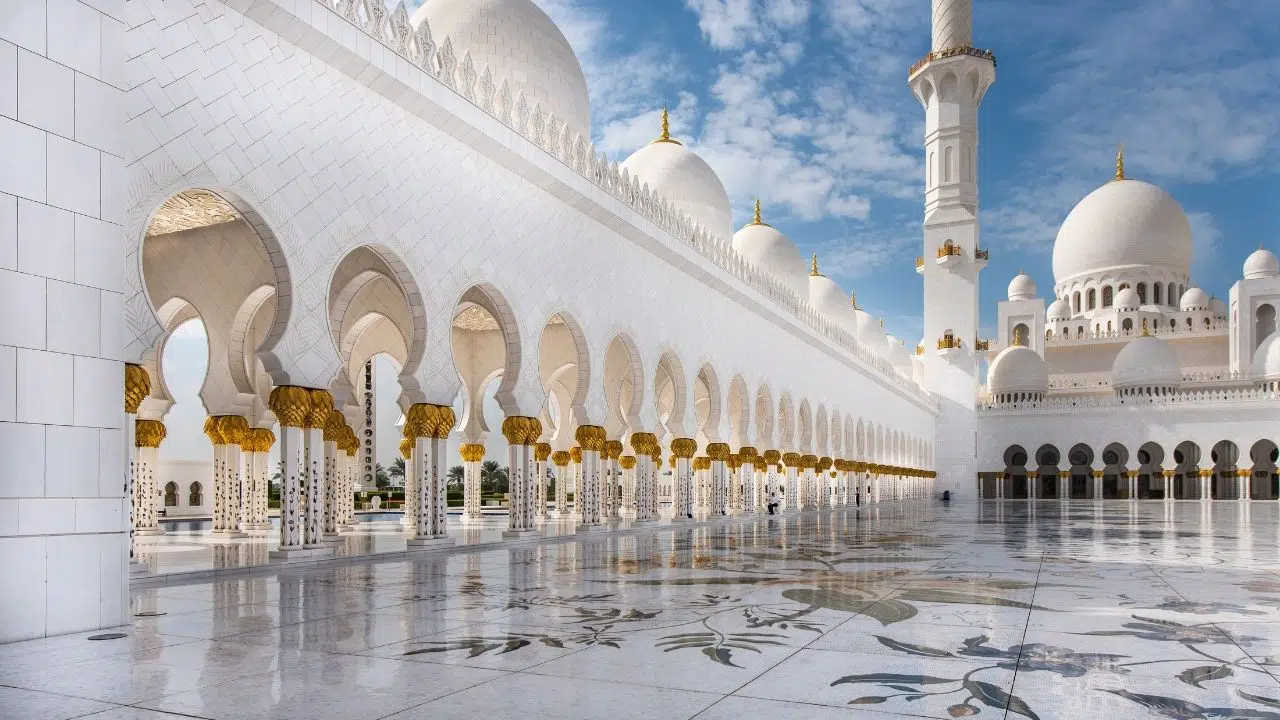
(396, 471)
(493, 477)
(455, 477)
(380, 478)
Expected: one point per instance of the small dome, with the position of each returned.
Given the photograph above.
(870, 333)
(828, 299)
(1124, 223)
(1217, 308)
(1146, 362)
(681, 176)
(761, 244)
(1059, 310)
(519, 44)
(1127, 299)
(899, 356)
(1194, 299)
(1018, 369)
(1022, 287)
(1266, 359)
(1261, 264)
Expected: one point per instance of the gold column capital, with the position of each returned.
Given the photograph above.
(644, 443)
(137, 386)
(791, 459)
(718, 451)
(702, 462)
(612, 449)
(541, 452)
(772, 457)
(521, 430)
(427, 420)
(321, 408)
(290, 404)
(472, 452)
(684, 447)
(808, 462)
(825, 463)
(406, 447)
(628, 462)
(590, 437)
(575, 454)
(560, 458)
(148, 433)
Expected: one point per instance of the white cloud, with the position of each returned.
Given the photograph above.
(1208, 239)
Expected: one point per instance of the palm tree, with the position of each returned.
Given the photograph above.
(396, 471)
(493, 477)
(456, 474)
(380, 478)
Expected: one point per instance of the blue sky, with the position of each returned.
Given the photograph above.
(805, 103)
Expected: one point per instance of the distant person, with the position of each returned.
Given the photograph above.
(772, 505)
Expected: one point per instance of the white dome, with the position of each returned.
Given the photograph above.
(1018, 369)
(1194, 299)
(519, 44)
(828, 299)
(1217, 307)
(772, 251)
(1123, 223)
(870, 334)
(1127, 299)
(1266, 359)
(1146, 362)
(1022, 287)
(899, 356)
(1059, 310)
(1261, 264)
(681, 176)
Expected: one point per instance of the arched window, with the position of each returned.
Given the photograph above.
(1156, 293)
(1142, 293)
(171, 494)
(1206, 322)
(1264, 324)
(1066, 332)
(1127, 325)
(1079, 331)
(1106, 296)
(1189, 325)
(1182, 290)
(1173, 295)
(948, 158)
(1091, 299)
(933, 160)
(195, 498)
(1075, 301)
(1108, 327)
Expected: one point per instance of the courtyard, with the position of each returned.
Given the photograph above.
(1002, 610)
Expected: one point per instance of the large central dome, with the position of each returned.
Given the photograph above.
(1124, 223)
(519, 44)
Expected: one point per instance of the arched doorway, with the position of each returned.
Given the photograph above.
(1081, 459)
(1015, 473)
(1047, 460)
(1225, 485)
(1264, 482)
(1150, 472)
(1115, 481)
(1186, 472)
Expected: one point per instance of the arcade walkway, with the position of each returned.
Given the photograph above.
(991, 610)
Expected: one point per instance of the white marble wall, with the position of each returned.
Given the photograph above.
(63, 543)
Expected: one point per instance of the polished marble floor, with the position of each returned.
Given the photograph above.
(1049, 610)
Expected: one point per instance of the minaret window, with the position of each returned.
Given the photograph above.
(1091, 299)
(947, 161)
(1142, 293)
(1155, 293)
(1173, 295)
(933, 160)
(1075, 302)
(1106, 296)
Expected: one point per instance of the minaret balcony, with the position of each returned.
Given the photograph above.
(919, 265)
(948, 344)
(949, 255)
(981, 257)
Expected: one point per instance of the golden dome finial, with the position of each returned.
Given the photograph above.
(1120, 162)
(853, 299)
(757, 219)
(813, 268)
(665, 137)
(881, 322)
(1017, 336)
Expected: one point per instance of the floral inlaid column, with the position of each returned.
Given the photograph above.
(292, 408)
(148, 434)
(628, 465)
(718, 478)
(772, 477)
(747, 456)
(409, 521)
(225, 433)
(809, 481)
(575, 480)
(541, 453)
(702, 484)
(791, 499)
(561, 459)
(610, 493)
(472, 457)
(591, 439)
(682, 485)
(350, 446)
(822, 475)
(733, 489)
(647, 460)
(521, 434)
(1167, 484)
(315, 477)
(430, 426)
(254, 448)
(137, 386)
(334, 433)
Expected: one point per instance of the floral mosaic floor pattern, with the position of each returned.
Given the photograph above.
(985, 610)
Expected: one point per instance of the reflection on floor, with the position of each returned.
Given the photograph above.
(1012, 610)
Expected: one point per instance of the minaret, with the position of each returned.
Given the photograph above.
(950, 82)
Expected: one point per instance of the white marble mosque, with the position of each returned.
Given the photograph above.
(741, 517)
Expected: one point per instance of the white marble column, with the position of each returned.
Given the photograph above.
(472, 457)
(644, 476)
(609, 492)
(332, 484)
(628, 465)
(292, 407)
(430, 426)
(718, 478)
(148, 434)
(313, 491)
(255, 450)
(792, 462)
(409, 521)
(226, 433)
(521, 434)
(574, 482)
(561, 459)
(682, 482)
(772, 476)
(591, 439)
(541, 454)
